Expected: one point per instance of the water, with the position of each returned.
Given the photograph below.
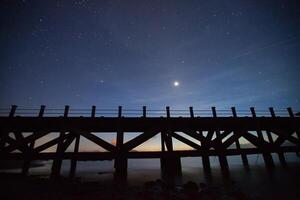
(257, 181)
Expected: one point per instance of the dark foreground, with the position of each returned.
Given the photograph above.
(14, 186)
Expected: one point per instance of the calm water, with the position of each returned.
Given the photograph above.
(257, 181)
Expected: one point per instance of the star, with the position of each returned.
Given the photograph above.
(176, 83)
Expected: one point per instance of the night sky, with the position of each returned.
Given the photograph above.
(131, 53)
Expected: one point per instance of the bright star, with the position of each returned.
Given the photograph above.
(176, 83)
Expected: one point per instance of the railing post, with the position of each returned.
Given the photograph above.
(66, 112)
(221, 150)
(265, 152)
(214, 112)
(144, 111)
(237, 142)
(57, 162)
(13, 110)
(191, 112)
(93, 114)
(120, 111)
(168, 111)
(42, 110)
(271, 109)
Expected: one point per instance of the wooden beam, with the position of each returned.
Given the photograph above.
(255, 140)
(138, 140)
(11, 141)
(186, 141)
(283, 136)
(68, 141)
(50, 143)
(107, 146)
(26, 140)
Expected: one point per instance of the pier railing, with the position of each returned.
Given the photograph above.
(104, 112)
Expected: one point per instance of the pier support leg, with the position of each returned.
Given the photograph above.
(27, 160)
(223, 162)
(57, 162)
(121, 159)
(282, 158)
(74, 160)
(268, 160)
(243, 155)
(206, 163)
(170, 167)
(121, 164)
(245, 160)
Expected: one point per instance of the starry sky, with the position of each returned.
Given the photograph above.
(81, 53)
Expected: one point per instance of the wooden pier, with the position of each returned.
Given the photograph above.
(215, 135)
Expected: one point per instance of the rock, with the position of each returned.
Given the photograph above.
(190, 188)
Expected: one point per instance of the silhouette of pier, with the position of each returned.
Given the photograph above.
(219, 134)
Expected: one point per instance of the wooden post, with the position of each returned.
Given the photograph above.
(280, 152)
(144, 111)
(120, 111)
(291, 114)
(168, 111)
(191, 112)
(12, 110)
(237, 143)
(93, 114)
(28, 156)
(221, 150)
(265, 153)
(56, 166)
